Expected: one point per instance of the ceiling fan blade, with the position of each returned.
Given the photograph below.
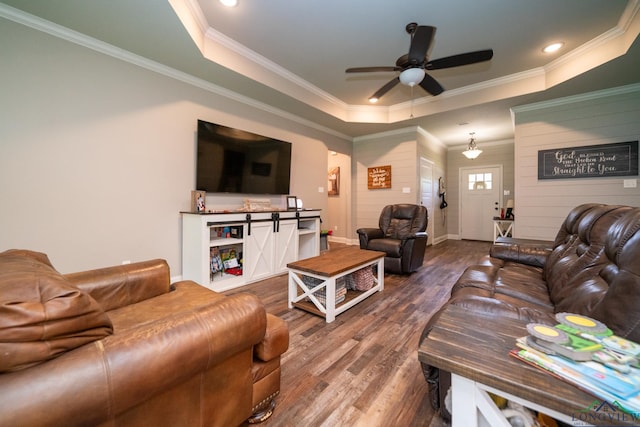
(431, 85)
(420, 43)
(461, 59)
(371, 69)
(386, 88)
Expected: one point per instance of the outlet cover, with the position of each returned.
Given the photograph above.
(630, 183)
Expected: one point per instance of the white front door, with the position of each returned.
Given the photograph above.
(426, 195)
(480, 190)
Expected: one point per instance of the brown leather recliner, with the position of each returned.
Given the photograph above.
(401, 235)
(120, 346)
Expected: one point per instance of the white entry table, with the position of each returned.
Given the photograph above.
(502, 228)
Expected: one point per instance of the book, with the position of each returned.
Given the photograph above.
(590, 376)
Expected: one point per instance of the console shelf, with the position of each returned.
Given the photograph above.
(262, 243)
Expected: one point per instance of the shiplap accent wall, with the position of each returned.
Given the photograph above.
(589, 119)
(399, 150)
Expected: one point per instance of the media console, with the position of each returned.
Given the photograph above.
(245, 246)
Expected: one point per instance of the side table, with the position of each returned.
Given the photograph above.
(502, 228)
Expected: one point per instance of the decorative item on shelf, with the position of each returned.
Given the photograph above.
(257, 205)
(509, 213)
(198, 201)
(472, 151)
(216, 261)
(292, 203)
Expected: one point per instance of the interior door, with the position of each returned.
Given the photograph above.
(426, 194)
(480, 190)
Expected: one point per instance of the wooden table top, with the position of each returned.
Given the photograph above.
(477, 347)
(337, 261)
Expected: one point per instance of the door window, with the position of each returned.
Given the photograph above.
(480, 181)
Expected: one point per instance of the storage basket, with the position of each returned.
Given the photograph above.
(361, 280)
(321, 294)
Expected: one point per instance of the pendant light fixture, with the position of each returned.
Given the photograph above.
(472, 150)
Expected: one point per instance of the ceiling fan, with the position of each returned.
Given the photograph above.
(413, 65)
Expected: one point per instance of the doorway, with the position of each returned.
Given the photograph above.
(480, 190)
(426, 195)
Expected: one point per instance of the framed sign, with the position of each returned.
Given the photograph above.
(379, 177)
(292, 203)
(593, 161)
(334, 181)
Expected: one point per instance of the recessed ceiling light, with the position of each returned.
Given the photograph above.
(553, 47)
(229, 3)
(373, 100)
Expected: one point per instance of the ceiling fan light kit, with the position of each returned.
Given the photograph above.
(472, 151)
(412, 76)
(413, 66)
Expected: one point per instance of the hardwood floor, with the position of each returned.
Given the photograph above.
(363, 369)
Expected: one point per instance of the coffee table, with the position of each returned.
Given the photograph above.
(328, 267)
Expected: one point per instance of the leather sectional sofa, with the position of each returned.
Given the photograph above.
(592, 268)
(121, 346)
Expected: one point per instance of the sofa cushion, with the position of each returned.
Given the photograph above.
(41, 314)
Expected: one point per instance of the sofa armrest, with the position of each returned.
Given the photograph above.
(94, 383)
(416, 235)
(118, 286)
(275, 341)
(529, 252)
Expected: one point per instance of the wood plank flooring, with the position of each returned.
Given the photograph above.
(363, 369)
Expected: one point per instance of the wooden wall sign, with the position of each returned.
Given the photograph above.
(605, 160)
(379, 177)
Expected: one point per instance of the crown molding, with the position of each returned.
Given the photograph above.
(83, 40)
(622, 90)
(600, 50)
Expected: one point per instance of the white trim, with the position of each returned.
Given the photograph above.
(80, 39)
(267, 64)
(635, 87)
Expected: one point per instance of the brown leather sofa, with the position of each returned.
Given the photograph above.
(120, 346)
(401, 235)
(592, 268)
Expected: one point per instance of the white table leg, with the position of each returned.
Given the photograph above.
(330, 294)
(380, 274)
(472, 406)
(292, 289)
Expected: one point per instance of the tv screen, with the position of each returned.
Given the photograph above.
(235, 161)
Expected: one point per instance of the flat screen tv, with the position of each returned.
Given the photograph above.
(235, 161)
